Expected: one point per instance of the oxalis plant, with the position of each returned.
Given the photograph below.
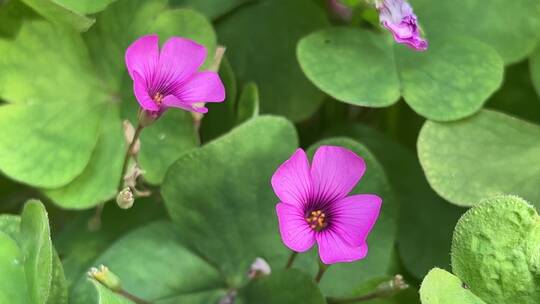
(269, 151)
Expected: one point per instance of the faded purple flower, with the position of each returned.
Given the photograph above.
(315, 207)
(170, 77)
(398, 17)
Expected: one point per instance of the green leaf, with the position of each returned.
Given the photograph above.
(517, 95)
(363, 68)
(420, 246)
(152, 256)
(255, 55)
(495, 251)
(12, 14)
(80, 247)
(97, 183)
(514, 38)
(62, 53)
(535, 69)
(482, 156)
(40, 128)
(220, 196)
(248, 104)
(10, 225)
(13, 288)
(60, 113)
(59, 13)
(37, 249)
(106, 296)
(282, 286)
(442, 287)
(213, 9)
(351, 65)
(164, 141)
(342, 279)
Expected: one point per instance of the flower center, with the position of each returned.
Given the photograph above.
(158, 98)
(317, 220)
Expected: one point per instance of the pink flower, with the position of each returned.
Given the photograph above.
(315, 207)
(398, 17)
(170, 78)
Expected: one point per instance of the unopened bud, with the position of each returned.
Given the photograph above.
(259, 268)
(390, 287)
(125, 198)
(146, 118)
(105, 277)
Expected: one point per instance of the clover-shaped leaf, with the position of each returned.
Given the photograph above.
(79, 118)
(485, 155)
(214, 220)
(495, 251)
(484, 21)
(365, 68)
(152, 256)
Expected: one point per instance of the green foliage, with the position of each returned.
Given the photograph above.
(440, 131)
(485, 22)
(157, 248)
(495, 250)
(255, 56)
(213, 219)
(441, 287)
(420, 246)
(485, 155)
(363, 68)
(34, 269)
(263, 290)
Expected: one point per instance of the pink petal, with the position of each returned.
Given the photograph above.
(141, 93)
(335, 171)
(172, 101)
(291, 181)
(295, 231)
(179, 59)
(353, 217)
(142, 56)
(333, 249)
(202, 87)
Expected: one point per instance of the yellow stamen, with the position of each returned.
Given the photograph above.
(317, 220)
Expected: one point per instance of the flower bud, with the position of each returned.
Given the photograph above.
(125, 198)
(105, 277)
(146, 118)
(259, 268)
(390, 287)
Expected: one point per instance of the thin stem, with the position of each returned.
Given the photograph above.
(291, 259)
(320, 273)
(131, 297)
(129, 153)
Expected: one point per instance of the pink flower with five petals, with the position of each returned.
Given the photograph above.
(170, 77)
(315, 206)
